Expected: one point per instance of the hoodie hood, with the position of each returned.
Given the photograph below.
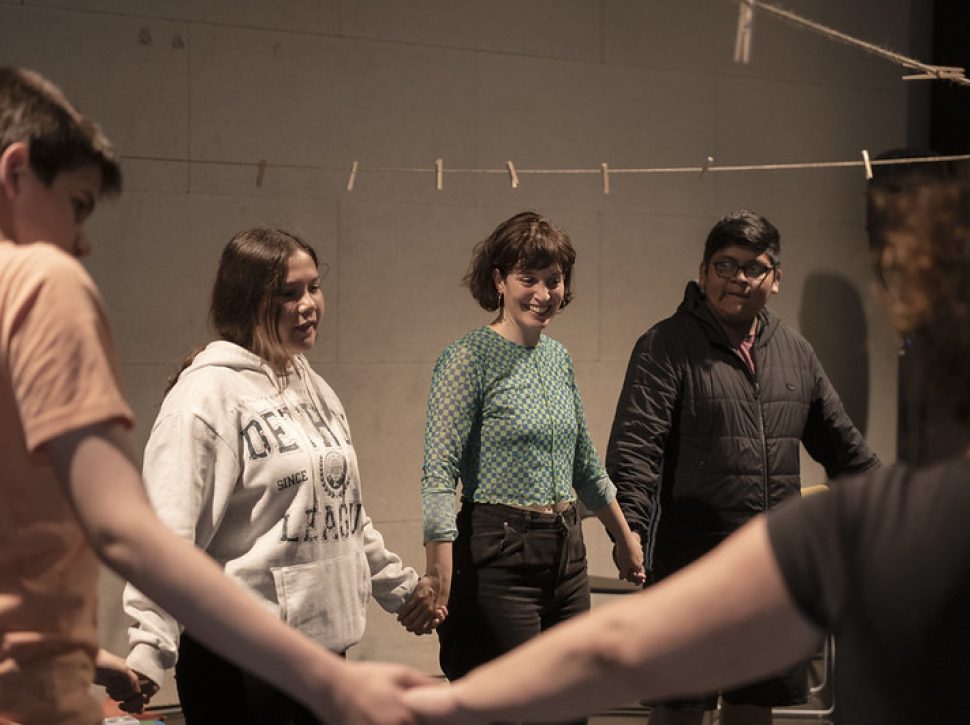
(225, 354)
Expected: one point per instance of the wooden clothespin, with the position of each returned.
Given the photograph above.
(708, 162)
(513, 176)
(943, 72)
(353, 176)
(439, 174)
(867, 164)
(605, 173)
(260, 170)
(742, 40)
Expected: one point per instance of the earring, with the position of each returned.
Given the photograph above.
(501, 300)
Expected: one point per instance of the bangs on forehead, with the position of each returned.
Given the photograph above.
(540, 251)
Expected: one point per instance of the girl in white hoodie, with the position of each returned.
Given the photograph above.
(251, 458)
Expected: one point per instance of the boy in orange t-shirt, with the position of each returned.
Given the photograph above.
(69, 489)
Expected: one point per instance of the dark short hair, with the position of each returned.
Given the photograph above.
(527, 240)
(249, 287)
(61, 138)
(743, 228)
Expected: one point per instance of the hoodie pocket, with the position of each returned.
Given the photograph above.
(326, 600)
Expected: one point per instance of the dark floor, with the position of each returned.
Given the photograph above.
(617, 717)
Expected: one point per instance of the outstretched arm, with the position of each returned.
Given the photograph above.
(99, 478)
(725, 620)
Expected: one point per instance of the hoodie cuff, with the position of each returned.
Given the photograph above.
(147, 661)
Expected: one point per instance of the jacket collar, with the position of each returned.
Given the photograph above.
(695, 305)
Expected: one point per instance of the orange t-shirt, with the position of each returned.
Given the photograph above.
(57, 373)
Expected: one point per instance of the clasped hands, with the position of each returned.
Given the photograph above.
(426, 608)
(130, 689)
(629, 559)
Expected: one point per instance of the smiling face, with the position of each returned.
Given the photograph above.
(737, 300)
(301, 304)
(531, 298)
(41, 213)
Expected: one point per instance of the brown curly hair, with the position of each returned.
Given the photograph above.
(527, 240)
(919, 234)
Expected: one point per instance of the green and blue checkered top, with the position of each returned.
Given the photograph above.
(507, 420)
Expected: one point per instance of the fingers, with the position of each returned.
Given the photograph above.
(636, 576)
(433, 705)
(136, 702)
(420, 622)
(422, 612)
(408, 678)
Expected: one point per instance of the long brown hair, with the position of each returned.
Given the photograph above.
(247, 293)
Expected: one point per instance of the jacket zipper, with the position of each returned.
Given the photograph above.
(756, 389)
(764, 441)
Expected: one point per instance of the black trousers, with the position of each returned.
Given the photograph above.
(212, 690)
(516, 574)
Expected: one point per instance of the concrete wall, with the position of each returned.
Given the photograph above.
(196, 92)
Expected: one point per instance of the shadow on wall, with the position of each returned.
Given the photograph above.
(833, 319)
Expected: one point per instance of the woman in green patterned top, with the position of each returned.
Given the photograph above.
(505, 417)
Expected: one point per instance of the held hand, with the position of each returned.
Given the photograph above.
(147, 690)
(373, 694)
(628, 557)
(131, 689)
(436, 706)
(422, 612)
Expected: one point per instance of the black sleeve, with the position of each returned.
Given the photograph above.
(804, 535)
(886, 544)
(830, 437)
(638, 439)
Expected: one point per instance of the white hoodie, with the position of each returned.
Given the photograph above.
(264, 478)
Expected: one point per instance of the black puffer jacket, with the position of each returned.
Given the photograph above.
(700, 444)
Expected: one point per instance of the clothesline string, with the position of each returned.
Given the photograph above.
(953, 74)
(430, 169)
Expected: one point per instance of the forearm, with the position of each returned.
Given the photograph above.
(725, 620)
(611, 516)
(105, 489)
(438, 563)
(391, 581)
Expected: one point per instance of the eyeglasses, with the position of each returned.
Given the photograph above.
(753, 270)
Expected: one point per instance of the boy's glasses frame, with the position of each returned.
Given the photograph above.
(753, 270)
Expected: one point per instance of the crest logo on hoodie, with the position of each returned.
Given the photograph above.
(333, 472)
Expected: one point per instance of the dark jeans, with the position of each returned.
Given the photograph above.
(516, 574)
(212, 690)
